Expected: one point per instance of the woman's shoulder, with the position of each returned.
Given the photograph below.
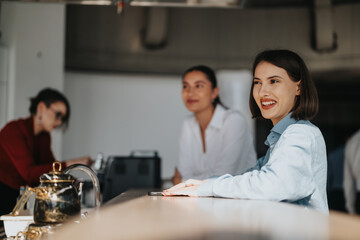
(354, 139)
(233, 115)
(18, 125)
(234, 121)
(188, 122)
(304, 135)
(14, 124)
(304, 128)
(189, 118)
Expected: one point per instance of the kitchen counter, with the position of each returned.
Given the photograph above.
(133, 216)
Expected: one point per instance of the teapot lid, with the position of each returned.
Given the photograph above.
(56, 175)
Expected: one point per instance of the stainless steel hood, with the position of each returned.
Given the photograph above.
(77, 2)
(195, 3)
(151, 3)
(188, 3)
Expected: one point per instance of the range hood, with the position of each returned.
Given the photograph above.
(150, 3)
(76, 2)
(188, 3)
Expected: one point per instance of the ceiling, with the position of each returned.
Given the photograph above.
(234, 3)
(202, 3)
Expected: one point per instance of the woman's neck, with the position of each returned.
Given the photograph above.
(204, 117)
(37, 126)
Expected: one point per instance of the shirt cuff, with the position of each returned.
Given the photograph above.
(205, 189)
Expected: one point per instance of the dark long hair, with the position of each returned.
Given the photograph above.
(50, 96)
(210, 75)
(306, 104)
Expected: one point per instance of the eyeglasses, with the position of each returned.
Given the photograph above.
(58, 115)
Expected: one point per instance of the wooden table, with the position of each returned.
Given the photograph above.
(146, 217)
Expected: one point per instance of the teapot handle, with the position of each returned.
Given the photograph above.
(94, 179)
(24, 198)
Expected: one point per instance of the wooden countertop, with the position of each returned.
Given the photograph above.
(148, 217)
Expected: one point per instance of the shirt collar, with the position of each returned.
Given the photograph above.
(278, 129)
(218, 116)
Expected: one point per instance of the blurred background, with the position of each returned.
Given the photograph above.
(120, 65)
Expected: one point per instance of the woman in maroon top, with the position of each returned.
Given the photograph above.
(25, 146)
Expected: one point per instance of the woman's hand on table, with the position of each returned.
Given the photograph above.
(188, 188)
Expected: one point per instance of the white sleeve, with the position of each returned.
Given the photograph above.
(349, 182)
(184, 165)
(237, 153)
(286, 176)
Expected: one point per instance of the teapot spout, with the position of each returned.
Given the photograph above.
(94, 179)
(24, 198)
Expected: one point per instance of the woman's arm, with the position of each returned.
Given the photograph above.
(287, 175)
(18, 151)
(177, 178)
(81, 160)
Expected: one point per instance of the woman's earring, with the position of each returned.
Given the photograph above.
(39, 120)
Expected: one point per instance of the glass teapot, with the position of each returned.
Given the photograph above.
(57, 198)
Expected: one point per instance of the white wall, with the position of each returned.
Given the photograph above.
(33, 38)
(117, 113)
(234, 86)
(3, 85)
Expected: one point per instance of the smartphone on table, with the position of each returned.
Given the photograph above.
(155, 194)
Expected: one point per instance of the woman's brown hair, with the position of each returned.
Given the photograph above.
(307, 104)
(50, 96)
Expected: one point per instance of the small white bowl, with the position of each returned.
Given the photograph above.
(15, 224)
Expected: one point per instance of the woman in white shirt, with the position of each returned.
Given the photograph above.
(214, 140)
(352, 174)
(294, 169)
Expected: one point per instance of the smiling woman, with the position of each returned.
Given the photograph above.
(274, 92)
(278, 70)
(214, 140)
(25, 151)
(294, 167)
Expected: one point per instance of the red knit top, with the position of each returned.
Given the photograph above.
(24, 157)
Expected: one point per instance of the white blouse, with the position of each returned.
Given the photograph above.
(293, 170)
(229, 146)
(352, 171)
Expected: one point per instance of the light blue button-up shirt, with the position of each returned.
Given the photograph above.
(293, 170)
